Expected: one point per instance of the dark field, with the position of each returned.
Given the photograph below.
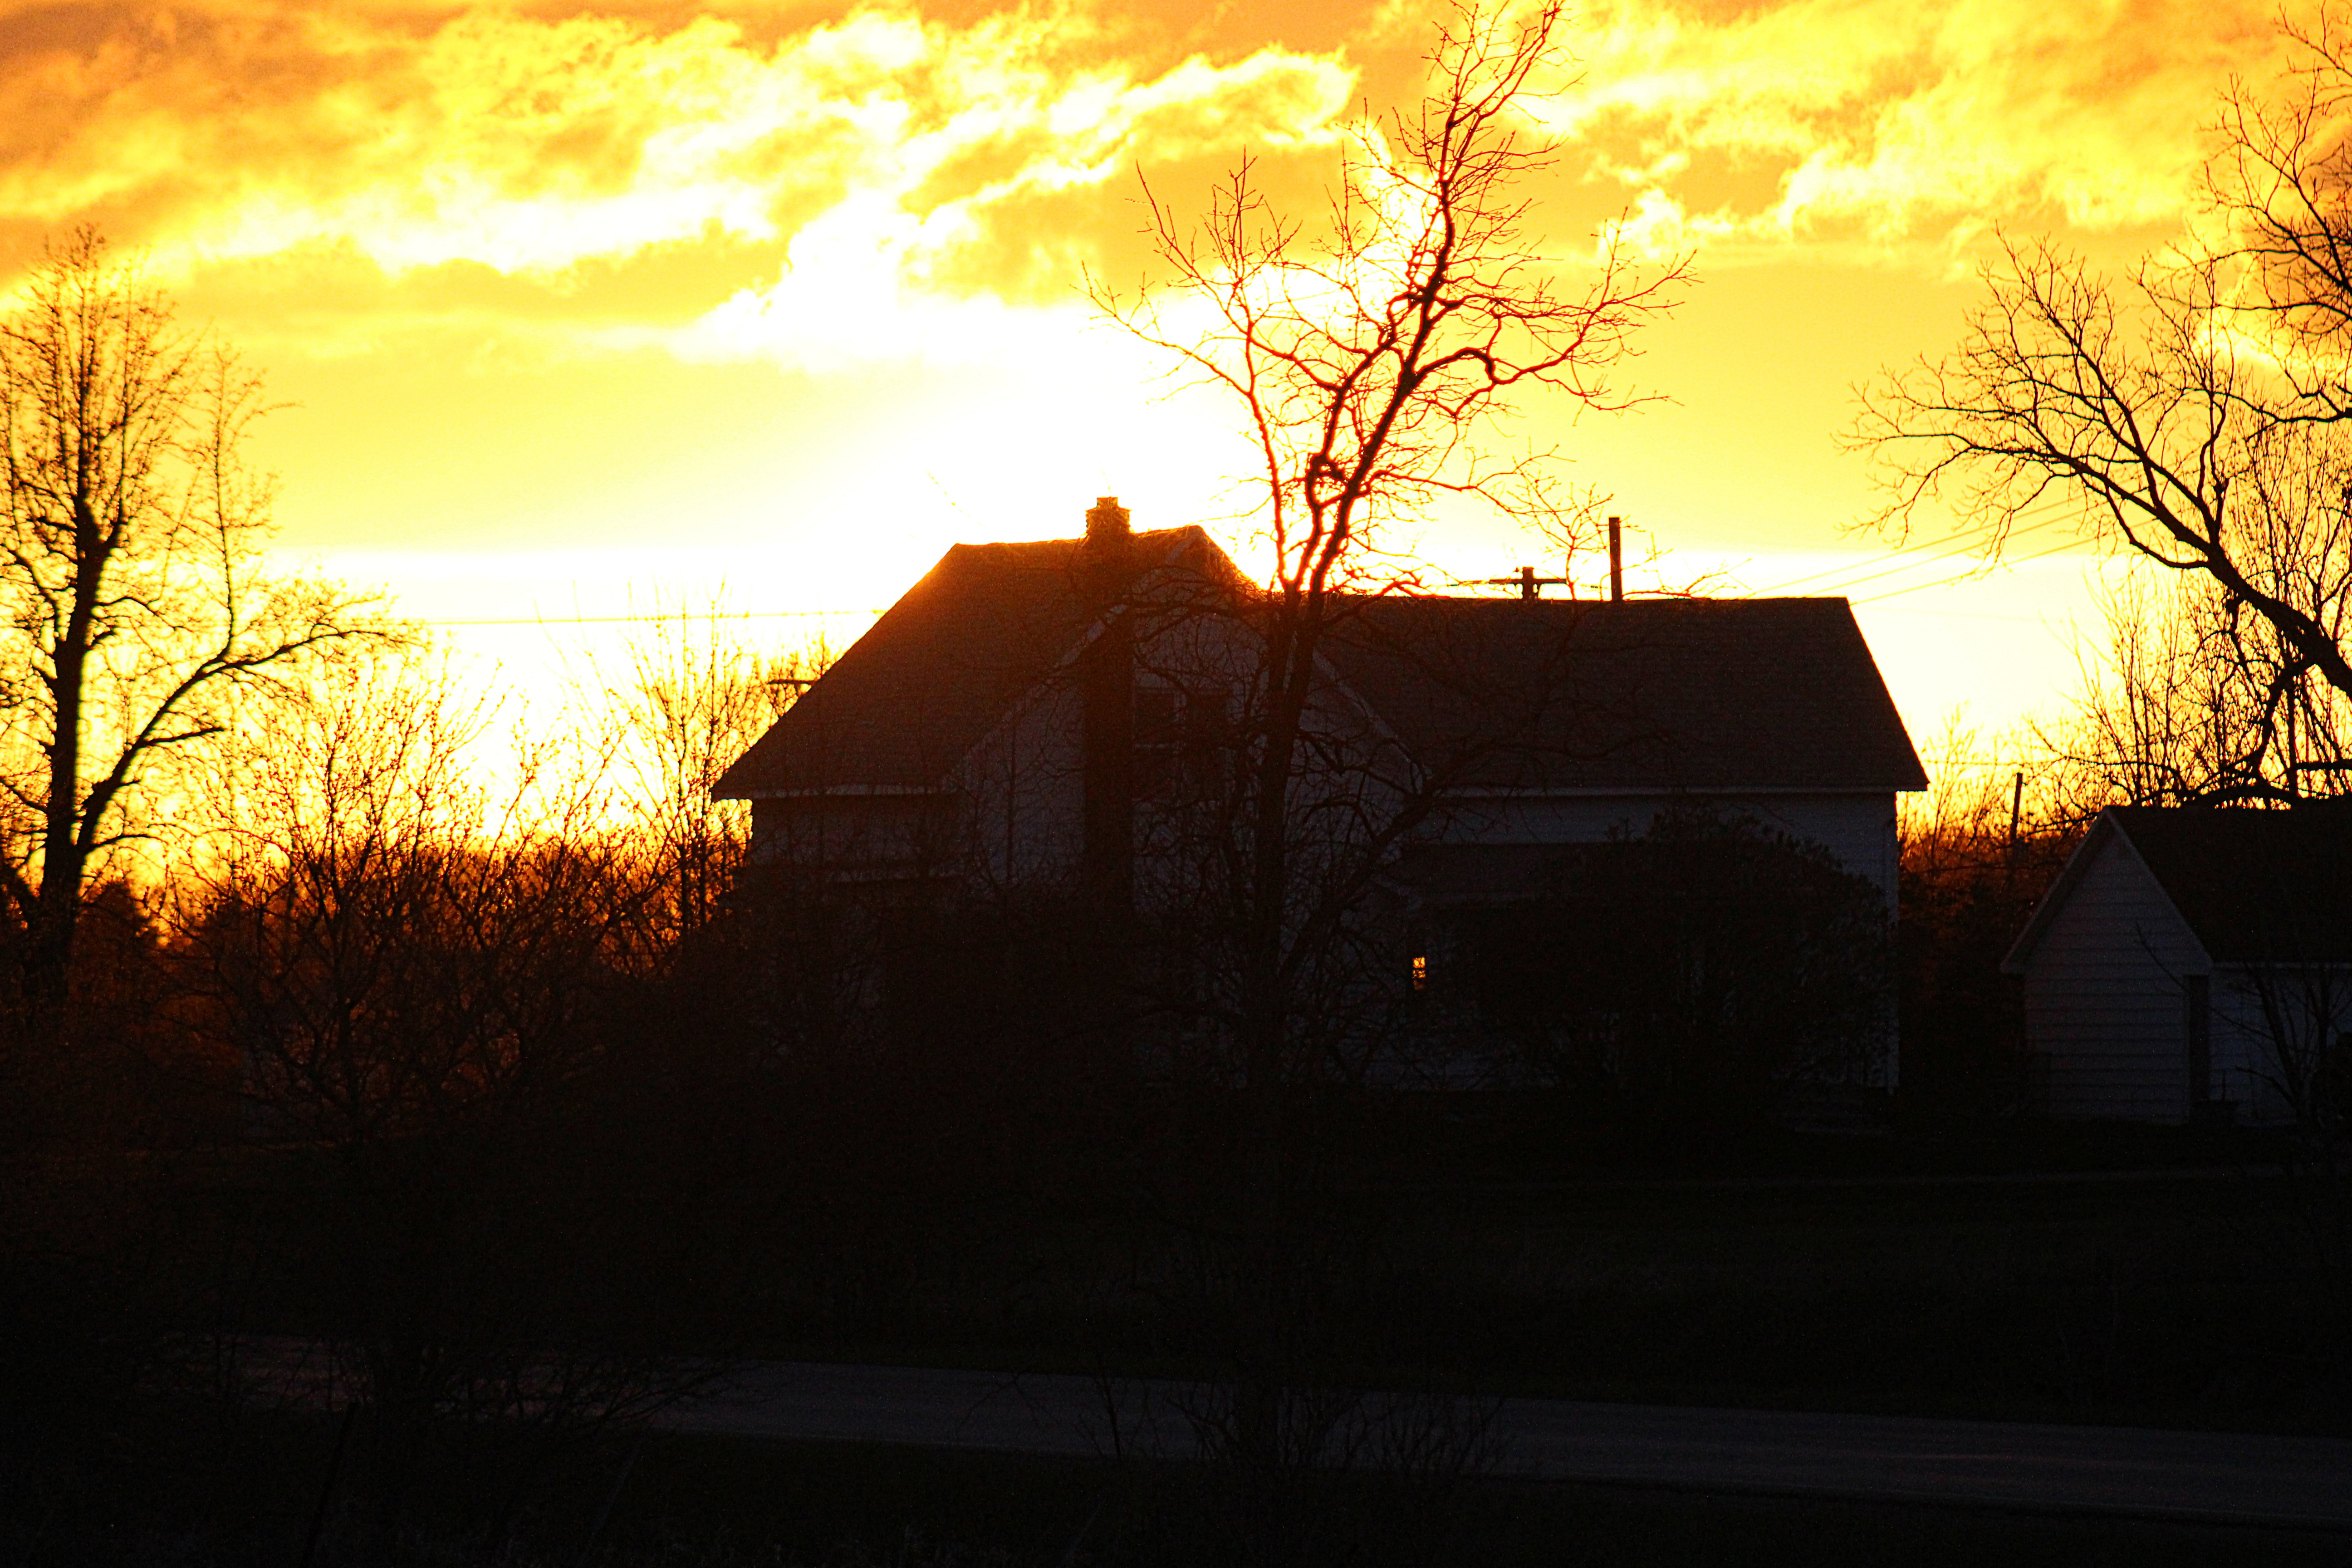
(1975, 1281)
(2109, 1277)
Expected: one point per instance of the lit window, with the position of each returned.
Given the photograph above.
(1421, 973)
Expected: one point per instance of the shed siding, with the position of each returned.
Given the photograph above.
(2244, 1056)
(2104, 1009)
(2261, 1012)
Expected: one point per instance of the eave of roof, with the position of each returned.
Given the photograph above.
(2256, 886)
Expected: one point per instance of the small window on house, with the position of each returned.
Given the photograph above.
(1182, 741)
(1159, 737)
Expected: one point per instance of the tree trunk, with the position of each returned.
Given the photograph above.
(1265, 1365)
(46, 973)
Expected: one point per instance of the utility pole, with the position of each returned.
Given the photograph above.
(1527, 583)
(2016, 806)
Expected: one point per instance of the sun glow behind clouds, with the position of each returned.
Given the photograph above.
(796, 290)
(876, 149)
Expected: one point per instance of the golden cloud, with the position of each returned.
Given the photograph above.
(878, 184)
(875, 148)
(1892, 123)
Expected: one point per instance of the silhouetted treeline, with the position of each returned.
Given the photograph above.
(1969, 881)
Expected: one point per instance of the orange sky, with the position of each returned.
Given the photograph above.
(579, 306)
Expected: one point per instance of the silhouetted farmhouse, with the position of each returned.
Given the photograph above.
(2192, 964)
(1064, 723)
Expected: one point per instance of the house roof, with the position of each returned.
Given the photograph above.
(906, 702)
(2254, 885)
(1646, 695)
(1652, 694)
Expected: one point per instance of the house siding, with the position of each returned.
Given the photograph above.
(2105, 1015)
(1857, 827)
(1027, 783)
(882, 838)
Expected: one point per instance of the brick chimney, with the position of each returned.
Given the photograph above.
(1106, 524)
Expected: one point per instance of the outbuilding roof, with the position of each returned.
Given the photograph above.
(2255, 885)
(1544, 695)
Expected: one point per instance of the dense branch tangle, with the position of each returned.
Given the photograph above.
(2275, 194)
(2196, 411)
(2153, 407)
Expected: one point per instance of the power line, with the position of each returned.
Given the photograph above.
(1859, 573)
(1966, 547)
(1937, 551)
(1926, 553)
(1964, 576)
(1909, 554)
(1957, 614)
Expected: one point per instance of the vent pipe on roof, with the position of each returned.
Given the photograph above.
(1616, 561)
(1107, 523)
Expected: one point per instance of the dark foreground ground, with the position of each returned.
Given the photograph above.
(2113, 1278)
(2097, 1278)
(2222, 1478)
(702, 1502)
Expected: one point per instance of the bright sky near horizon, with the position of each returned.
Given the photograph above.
(577, 310)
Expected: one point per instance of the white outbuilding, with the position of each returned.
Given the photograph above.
(2193, 964)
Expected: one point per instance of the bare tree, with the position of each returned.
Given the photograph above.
(2127, 402)
(1373, 359)
(135, 614)
(2192, 700)
(2192, 412)
(389, 945)
(2195, 412)
(2275, 194)
(692, 699)
(415, 976)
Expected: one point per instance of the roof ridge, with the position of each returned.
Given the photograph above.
(1664, 693)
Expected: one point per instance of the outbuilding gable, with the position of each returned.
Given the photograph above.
(2105, 960)
(2190, 961)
